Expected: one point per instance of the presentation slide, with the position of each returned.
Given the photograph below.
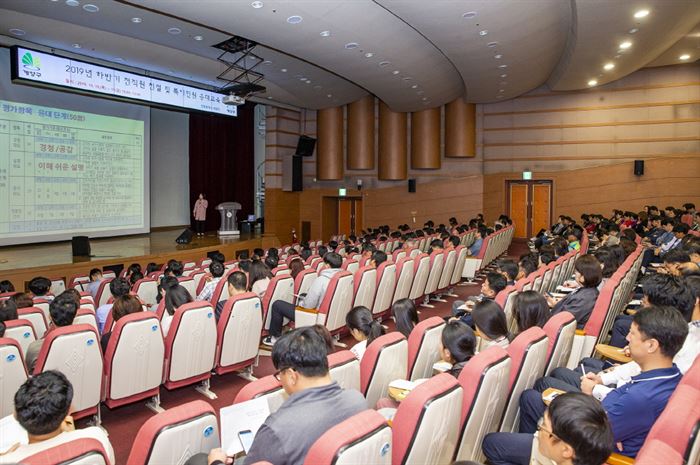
(64, 172)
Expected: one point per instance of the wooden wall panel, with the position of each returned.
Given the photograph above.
(425, 139)
(460, 129)
(360, 134)
(392, 144)
(281, 214)
(518, 199)
(329, 151)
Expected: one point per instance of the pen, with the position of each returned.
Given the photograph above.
(583, 371)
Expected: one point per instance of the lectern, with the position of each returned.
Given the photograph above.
(229, 225)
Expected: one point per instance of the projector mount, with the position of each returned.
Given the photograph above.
(240, 75)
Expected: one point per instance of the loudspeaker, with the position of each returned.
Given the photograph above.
(638, 167)
(297, 174)
(81, 246)
(305, 146)
(412, 185)
(185, 237)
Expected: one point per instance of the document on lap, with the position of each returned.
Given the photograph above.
(248, 415)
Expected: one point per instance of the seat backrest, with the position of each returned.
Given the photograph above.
(103, 293)
(384, 361)
(238, 332)
(404, 279)
(83, 451)
(134, 359)
(386, 283)
(87, 317)
(267, 387)
(13, 373)
(528, 351)
(190, 346)
(175, 435)
(485, 382)
(560, 330)
(421, 268)
(345, 369)
(365, 282)
(424, 347)
(21, 331)
(426, 425)
(75, 351)
(281, 287)
(448, 268)
(58, 285)
(36, 317)
(189, 284)
(147, 290)
(437, 261)
(362, 438)
(461, 252)
(337, 301)
(304, 280)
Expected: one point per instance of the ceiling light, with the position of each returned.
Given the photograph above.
(501, 90)
(198, 38)
(633, 30)
(329, 95)
(174, 31)
(136, 20)
(424, 98)
(308, 81)
(325, 33)
(395, 72)
(608, 66)
(469, 14)
(384, 63)
(503, 66)
(369, 55)
(294, 19)
(257, 4)
(504, 75)
(284, 70)
(414, 86)
(90, 8)
(625, 45)
(407, 78)
(302, 79)
(483, 33)
(17, 32)
(592, 83)
(267, 62)
(76, 46)
(492, 44)
(72, 2)
(498, 57)
(641, 14)
(351, 45)
(269, 97)
(685, 56)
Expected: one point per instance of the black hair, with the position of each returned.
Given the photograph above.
(436, 243)
(176, 296)
(460, 340)
(490, 319)
(135, 277)
(589, 267)
(379, 257)
(39, 286)
(509, 267)
(151, 267)
(406, 316)
(676, 255)
(629, 234)
(6, 286)
(360, 318)
(244, 264)
(580, 421)
(63, 309)
(665, 324)
(609, 261)
(217, 257)
(216, 269)
(43, 402)
(259, 252)
(667, 290)
(133, 268)
(693, 284)
(305, 253)
(304, 350)
(681, 228)
(271, 261)
(576, 232)
(238, 280)
(2, 329)
(333, 260)
(258, 271)
(95, 272)
(455, 240)
(119, 287)
(175, 267)
(530, 309)
(8, 310)
(497, 282)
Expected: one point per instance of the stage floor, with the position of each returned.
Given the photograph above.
(159, 246)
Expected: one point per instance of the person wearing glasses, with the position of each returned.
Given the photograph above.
(316, 403)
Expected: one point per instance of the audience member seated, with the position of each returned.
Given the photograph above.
(656, 255)
(405, 315)
(492, 285)
(457, 346)
(296, 266)
(134, 278)
(580, 303)
(363, 328)
(166, 282)
(490, 323)
(118, 287)
(62, 311)
(530, 309)
(42, 408)
(378, 257)
(259, 277)
(608, 262)
(216, 269)
(574, 239)
(123, 306)
(95, 280)
(39, 287)
(509, 269)
(656, 336)
(22, 300)
(174, 268)
(673, 260)
(271, 261)
(237, 284)
(6, 286)
(281, 309)
(479, 236)
(174, 297)
(8, 310)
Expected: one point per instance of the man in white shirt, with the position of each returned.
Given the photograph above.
(42, 408)
(96, 279)
(217, 271)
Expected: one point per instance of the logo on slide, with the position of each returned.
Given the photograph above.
(30, 62)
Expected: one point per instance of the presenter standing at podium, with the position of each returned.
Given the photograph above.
(200, 214)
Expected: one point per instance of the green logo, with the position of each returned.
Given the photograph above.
(30, 62)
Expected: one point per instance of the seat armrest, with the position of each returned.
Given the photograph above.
(580, 332)
(619, 459)
(612, 353)
(305, 317)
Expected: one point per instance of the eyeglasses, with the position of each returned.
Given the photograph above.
(278, 373)
(540, 427)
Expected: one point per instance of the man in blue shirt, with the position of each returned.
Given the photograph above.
(656, 335)
(474, 249)
(118, 287)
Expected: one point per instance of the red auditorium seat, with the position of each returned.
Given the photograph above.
(345, 369)
(421, 269)
(238, 334)
(386, 283)
(385, 360)
(280, 288)
(364, 438)
(424, 347)
(437, 262)
(304, 280)
(85, 316)
(13, 373)
(365, 282)
(334, 307)
(36, 316)
(404, 279)
(173, 436)
(85, 451)
(21, 331)
(147, 290)
(267, 387)
(560, 330)
(103, 293)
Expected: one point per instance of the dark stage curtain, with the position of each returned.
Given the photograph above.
(222, 162)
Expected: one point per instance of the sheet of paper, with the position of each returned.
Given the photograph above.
(248, 415)
(402, 384)
(11, 433)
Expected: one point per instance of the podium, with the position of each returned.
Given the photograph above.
(229, 225)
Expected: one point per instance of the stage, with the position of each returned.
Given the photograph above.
(21, 263)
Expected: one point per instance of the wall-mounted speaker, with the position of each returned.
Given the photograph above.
(638, 167)
(80, 246)
(412, 185)
(305, 146)
(297, 173)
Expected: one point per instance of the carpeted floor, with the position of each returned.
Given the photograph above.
(123, 423)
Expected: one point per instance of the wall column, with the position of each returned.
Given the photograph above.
(393, 165)
(329, 154)
(460, 129)
(425, 139)
(361, 134)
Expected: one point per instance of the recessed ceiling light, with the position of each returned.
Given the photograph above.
(308, 82)
(198, 38)
(136, 20)
(325, 33)
(369, 55)
(407, 78)
(351, 45)
(17, 32)
(492, 44)
(608, 66)
(685, 56)
(302, 78)
(76, 46)
(284, 70)
(174, 31)
(329, 95)
(90, 8)
(294, 19)
(504, 75)
(503, 66)
(384, 63)
(72, 2)
(269, 98)
(633, 30)
(498, 56)
(257, 4)
(424, 98)
(641, 14)
(625, 45)
(469, 14)
(483, 33)
(501, 90)
(395, 72)
(267, 62)
(592, 83)
(414, 86)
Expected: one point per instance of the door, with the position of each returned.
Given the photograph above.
(349, 215)
(529, 206)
